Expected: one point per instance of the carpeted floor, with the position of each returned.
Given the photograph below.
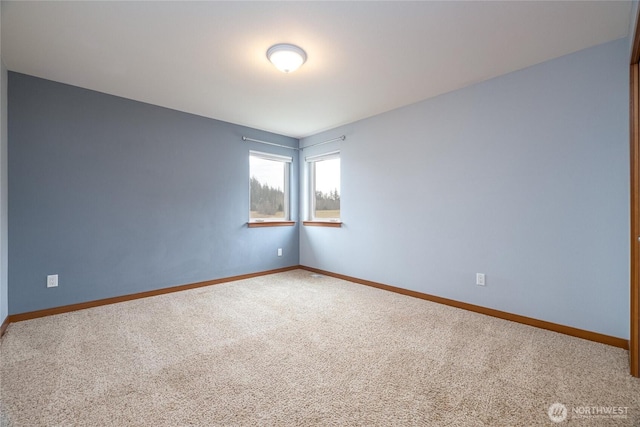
(291, 349)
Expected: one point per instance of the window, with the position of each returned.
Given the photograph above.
(324, 191)
(269, 187)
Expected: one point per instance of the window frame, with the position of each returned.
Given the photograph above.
(311, 190)
(286, 164)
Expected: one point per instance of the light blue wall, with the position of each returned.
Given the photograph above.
(4, 291)
(120, 197)
(523, 178)
(632, 24)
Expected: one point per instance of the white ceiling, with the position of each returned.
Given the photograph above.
(364, 58)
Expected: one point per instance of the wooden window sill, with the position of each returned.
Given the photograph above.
(337, 224)
(257, 224)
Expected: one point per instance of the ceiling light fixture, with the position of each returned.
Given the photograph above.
(286, 57)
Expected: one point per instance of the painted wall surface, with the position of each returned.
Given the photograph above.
(4, 291)
(523, 178)
(119, 197)
(632, 24)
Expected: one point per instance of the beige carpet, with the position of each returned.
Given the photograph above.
(291, 349)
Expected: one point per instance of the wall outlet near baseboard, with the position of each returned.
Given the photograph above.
(279, 251)
(480, 279)
(52, 281)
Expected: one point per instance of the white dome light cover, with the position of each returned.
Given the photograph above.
(286, 57)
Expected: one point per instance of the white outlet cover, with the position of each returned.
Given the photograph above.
(52, 281)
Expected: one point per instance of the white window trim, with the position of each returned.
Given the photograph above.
(287, 185)
(269, 156)
(311, 160)
(326, 156)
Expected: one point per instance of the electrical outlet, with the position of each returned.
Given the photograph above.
(52, 281)
(279, 251)
(480, 279)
